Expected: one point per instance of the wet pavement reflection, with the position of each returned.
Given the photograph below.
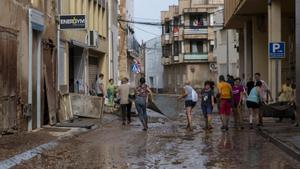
(167, 145)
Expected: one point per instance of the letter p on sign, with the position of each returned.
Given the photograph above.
(276, 50)
(276, 47)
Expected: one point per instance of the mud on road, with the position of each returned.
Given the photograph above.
(167, 145)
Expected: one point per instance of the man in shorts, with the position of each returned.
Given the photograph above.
(225, 95)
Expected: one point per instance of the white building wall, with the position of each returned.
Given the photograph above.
(220, 49)
(153, 67)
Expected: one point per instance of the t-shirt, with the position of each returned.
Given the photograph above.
(224, 90)
(286, 93)
(189, 90)
(236, 91)
(124, 93)
(99, 86)
(142, 90)
(264, 89)
(206, 97)
(253, 96)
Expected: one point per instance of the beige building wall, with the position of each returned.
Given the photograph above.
(96, 17)
(260, 46)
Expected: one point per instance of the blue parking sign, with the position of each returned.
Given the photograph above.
(276, 50)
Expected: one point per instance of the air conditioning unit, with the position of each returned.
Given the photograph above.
(93, 38)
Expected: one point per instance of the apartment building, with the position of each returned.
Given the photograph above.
(153, 68)
(188, 43)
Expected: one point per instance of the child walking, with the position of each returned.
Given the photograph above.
(207, 104)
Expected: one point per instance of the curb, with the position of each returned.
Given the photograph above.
(284, 147)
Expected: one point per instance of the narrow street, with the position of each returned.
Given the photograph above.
(165, 145)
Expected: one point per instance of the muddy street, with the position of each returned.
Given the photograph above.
(166, 145)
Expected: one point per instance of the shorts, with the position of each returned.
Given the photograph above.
(206, 109)
(252, 105)
(190, 103)
(225, 107)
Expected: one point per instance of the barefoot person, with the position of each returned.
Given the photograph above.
(253, 102)
(142, 93)
(225, 95)
(207, 104)
(191, 98)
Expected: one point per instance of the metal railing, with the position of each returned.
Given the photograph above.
(196, 57)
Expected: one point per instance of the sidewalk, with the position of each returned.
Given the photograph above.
(283, 134)
(18, 147)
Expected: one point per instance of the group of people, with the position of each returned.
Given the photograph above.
(230, 96)
(124, 95)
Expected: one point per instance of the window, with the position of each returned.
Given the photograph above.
(167, 27)
(176, 48)
(199, 20)
(198, 47)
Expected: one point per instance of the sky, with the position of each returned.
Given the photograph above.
(149, 11)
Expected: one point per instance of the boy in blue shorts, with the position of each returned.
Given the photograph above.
(207, 104)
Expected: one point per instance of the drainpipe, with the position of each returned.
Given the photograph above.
(227, 52)
(58, 12)
(29, 74)
(110, 41)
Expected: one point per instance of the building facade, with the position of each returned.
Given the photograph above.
(153, 68)
(81, 61)
(27, 40)
(131, 54)
(188, 43)
(261, 22)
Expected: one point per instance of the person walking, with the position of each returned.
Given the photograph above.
(254, 101)
(265, 94)
(225, 95)
(191, 98)
(142, 93)
(207, 104)
(238, 93)
(123, 93)
(111, 91)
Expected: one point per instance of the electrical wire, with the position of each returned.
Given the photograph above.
(149, 19)
(146, 31)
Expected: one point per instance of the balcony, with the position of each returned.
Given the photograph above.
(195, 33)
(200, 31)
(166, 38)
(165, 61)
(196, 57)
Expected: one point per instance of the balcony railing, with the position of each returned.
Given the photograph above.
(195, 57)
(196, 31)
